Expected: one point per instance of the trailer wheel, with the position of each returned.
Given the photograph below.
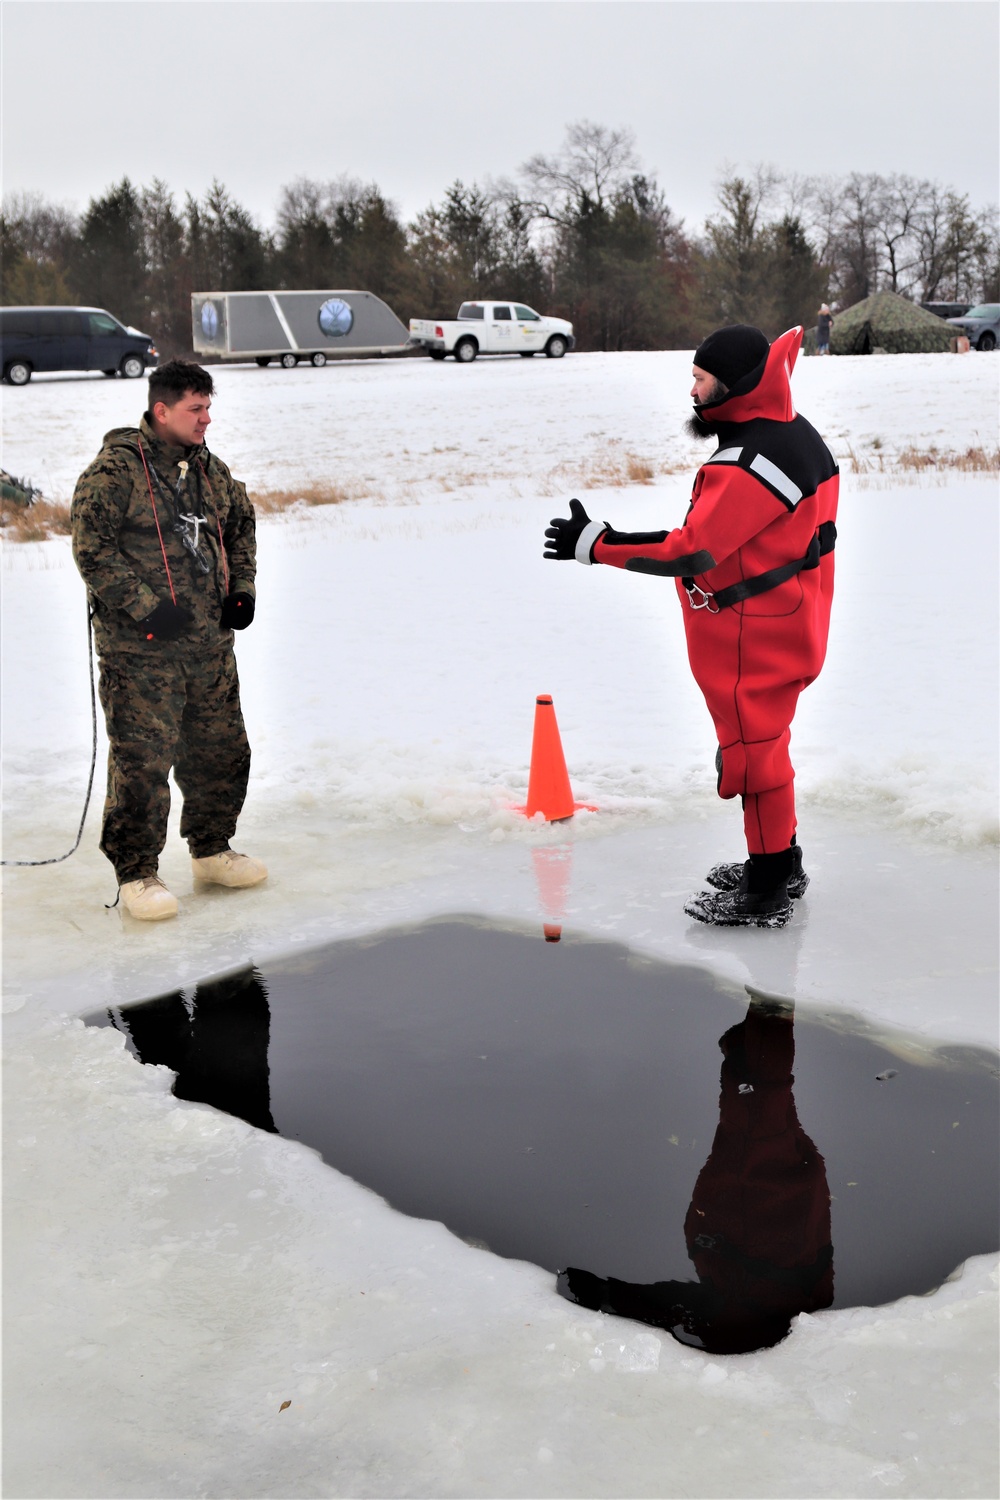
(262, 360)
(288, 361)
(436, 353)
(319, 359)
(132, 366)
(466, 351)
(109, 373)
(18, 372)
(526, 353)
(556, 347)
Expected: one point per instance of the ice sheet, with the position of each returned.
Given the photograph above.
(177, 1276)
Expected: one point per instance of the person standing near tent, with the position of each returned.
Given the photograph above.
(164, 538)
(823, 325)
(753, 566)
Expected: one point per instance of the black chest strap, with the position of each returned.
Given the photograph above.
(824, 540)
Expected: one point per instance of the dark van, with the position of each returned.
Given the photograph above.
(70, 338)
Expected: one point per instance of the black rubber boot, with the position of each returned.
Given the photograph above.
(728, 877)
(760, 900)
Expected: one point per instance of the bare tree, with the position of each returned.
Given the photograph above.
(899, 208)
(592, 163)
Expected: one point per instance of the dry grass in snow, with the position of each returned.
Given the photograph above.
(35, 523)
(909, 460)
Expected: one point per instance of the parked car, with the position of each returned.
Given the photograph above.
(946, 310)
(492, 328)
(70, 338)
(981, 325)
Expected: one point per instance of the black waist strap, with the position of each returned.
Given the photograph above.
(748, 588)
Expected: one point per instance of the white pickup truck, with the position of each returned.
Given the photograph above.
(492, 328)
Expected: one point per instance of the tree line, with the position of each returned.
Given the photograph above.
(583, 233)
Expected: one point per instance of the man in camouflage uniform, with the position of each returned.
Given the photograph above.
(164, 538)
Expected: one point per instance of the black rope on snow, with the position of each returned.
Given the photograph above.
(93, 760)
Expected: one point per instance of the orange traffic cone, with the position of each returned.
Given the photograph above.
(553, 867)
(549, 791)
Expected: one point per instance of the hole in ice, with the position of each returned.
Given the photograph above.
(561, 1104)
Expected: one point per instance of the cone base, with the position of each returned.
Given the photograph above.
(562, 818)
(552, 931)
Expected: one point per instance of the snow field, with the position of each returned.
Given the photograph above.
(183, 1275)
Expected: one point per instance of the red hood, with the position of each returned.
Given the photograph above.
(765, 392)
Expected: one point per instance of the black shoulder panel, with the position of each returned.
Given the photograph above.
(789, 458)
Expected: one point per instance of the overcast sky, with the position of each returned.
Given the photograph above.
(414, 93)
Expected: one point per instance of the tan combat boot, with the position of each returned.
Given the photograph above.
(148, 899)
(229, 868)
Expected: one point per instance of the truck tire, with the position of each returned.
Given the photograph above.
(262, 360)
(466, 351)
(526, 353)
(318, 359)
(288, 361)
(18, 372)
(436, 353)
(556, 347)
(132, 366)
(987, 341)
(110, 374)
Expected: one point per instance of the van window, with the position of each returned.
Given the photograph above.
(103, 323)
(526, 315)
(17, 324)
(501, 312)
(472, 310)
(59, 324)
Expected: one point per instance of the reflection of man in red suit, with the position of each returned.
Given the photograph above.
(754, 564)
(758, 1228)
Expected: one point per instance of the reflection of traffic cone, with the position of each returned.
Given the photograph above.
(553, 866)
(549, 791)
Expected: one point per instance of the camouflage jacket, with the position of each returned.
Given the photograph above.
(131, 545)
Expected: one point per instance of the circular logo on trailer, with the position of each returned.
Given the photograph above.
(336, 318)
(209, 319)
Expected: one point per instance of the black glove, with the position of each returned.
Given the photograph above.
(237, 612)
(563, 533)
(167, 621)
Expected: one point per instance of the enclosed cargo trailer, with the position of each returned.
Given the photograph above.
(292, 326)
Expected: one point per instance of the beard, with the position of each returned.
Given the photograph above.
(697, 427)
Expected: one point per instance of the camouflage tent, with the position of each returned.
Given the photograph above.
(885, 321)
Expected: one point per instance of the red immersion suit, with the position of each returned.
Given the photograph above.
(766, 499)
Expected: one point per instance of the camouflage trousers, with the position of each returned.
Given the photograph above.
(179, 711)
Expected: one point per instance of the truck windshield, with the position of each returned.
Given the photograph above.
(472, 310)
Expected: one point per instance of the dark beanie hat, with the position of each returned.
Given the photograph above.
(730, 353)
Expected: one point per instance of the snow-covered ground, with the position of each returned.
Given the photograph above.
(172, 1276)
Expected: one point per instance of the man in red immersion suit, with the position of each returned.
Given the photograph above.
(753, 567)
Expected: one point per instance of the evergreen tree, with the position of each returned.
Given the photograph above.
(797, 281)
(735, 269)
(168, 282)
(108, 266)
(227, 251)
(305, 251)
